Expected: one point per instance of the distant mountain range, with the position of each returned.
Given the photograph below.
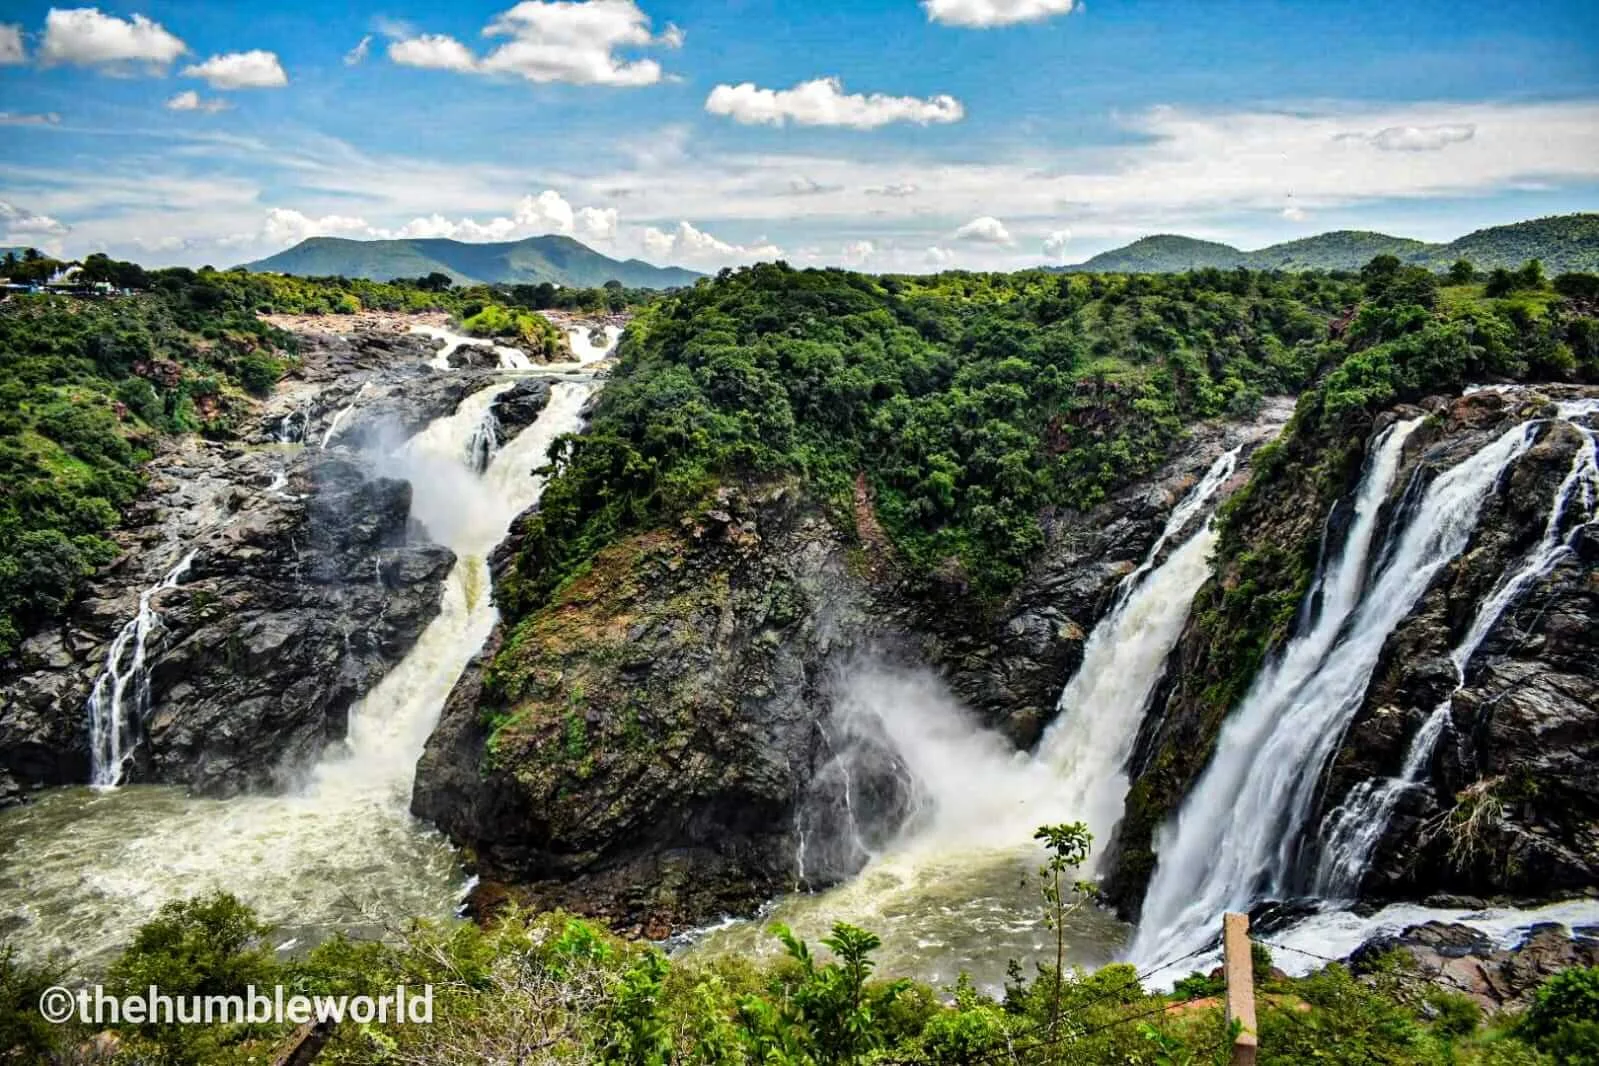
(1562, 242)
(559, 260)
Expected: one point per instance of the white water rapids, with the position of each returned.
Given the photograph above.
(1235, 838)
(584, 351)
(342, 851)
(956, 889)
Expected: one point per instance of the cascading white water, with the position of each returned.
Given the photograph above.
(1102, 707)
(1236, 835)
(585, 351)
(509, 358)
(115, 712)
(341, 414)
(1352, 830)
(484, 442)
(342, 851)
(955, 889)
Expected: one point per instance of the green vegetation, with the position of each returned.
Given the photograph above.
(551, 259)
(1563, 242)
(89, 387)
(971, 403)
(557, 989)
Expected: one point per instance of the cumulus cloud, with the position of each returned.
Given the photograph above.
(1295, 213)
(561, 41)
(695, 245)
(256, 69)
(189, 100)
(16, 222)
(1055, 244)
(982, 14)
(823, 102)
(548, 212)
(357, 55)
(985, 229)
(29, 118)
(938, 257)
(1422, 138)
(11, 50)
(84, 37)
(856, 253)
(433, 51)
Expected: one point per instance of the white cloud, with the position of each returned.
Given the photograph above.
(357, 55)
(938, 257)
(898, 189)
(256, 69)
(84, 37)
(189, 100)
(598, 223)
(11, 49)
(1055, 244)
(571, 41)
(285, 227)
(985, 13)
(823, 102)
(1422, 138)
(1295, 213)
(433, 51)
(16, 222)
(985, 229)
(856, 253)
(693, 245)
(29, 118)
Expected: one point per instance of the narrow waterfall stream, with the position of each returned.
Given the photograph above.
(84, 867)
(956, 889)
(1237, 836)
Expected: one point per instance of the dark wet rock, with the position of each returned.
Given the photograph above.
(1459, 958)
(520, 406)
(308, 582)
(1509, 804)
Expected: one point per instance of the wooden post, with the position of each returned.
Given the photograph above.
(1240, 971)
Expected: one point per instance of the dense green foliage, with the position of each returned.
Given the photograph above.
(550, 259)
(1563, 243)
(971, 404)
(556, 989)
(88, 387)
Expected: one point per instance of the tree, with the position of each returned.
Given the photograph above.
(437, 281)
(1068, 846)
(1462, 273)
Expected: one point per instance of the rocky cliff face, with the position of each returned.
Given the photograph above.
(1507, 803)
(651, 745)
(307, 583)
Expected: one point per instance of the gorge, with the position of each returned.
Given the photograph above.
(762, 648)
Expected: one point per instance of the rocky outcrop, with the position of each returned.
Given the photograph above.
(1511, 800)
(520, 405)
(654, 744)
(1459, 958)
(1011, 672)
(307, 583)
(1508, 803)
(639, 745)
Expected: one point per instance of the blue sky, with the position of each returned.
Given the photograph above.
(888, 134)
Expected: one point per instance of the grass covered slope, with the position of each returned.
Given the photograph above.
(555, 259)
(1562, 242)
(971, 404)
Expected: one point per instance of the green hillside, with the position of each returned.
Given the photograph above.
(1163, 254)
(1562, 242)
(556, 259)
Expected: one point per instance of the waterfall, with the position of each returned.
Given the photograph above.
(1102, 707)
(114, 721)
(1236, 836)
(585, 351)
(484, 443)
(1353, 829)
(341, 851)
